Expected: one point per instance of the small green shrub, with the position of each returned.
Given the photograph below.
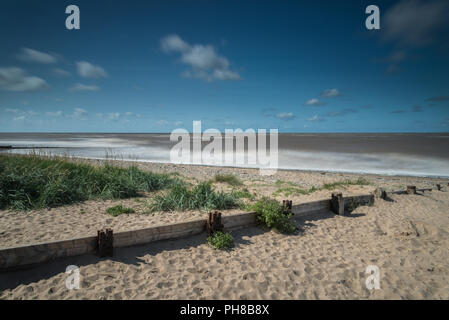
(271, 213)
(221, 240)
(229, 179)
(118, 210)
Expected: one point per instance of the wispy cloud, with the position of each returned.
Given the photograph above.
(204, 62)
(113, 116)
(84, 87)
(341, 113)
(414, 23)
(19, 118)
(315, 118)
(285, 116)
(412, 109)
(31, 55)
(417, 109)
(438, 99)
(11, 110)
(54, 114)
(88, 70)
(314, 102)
(398, 111)
(79, 114)
(61, 72)
(331, 93)
(16, 79)
(162, 122)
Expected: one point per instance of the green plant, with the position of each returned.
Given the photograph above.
(229, 179)
(221, 240)
(271, 213)
(118, 210)
(202, 196)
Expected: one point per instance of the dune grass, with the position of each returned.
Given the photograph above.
(118, 210)
(31, 182)
(202, 196)
(288, 188)
(229, 179)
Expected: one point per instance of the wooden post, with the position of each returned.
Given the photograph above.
(380, 193)
(105, 242)
(439, 187)
(288, 205)
(214, 222)
(337, 204)
(411, 189)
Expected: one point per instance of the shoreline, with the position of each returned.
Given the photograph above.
(436, 177)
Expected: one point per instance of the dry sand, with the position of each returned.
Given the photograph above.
(406, 237)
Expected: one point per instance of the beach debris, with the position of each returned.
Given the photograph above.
(438, 187)
(337, 204)
(105, 242)
(214, 222)
(287, 205)
(411, 189)
(380, 193)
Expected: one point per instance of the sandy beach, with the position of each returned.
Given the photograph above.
(406, 237)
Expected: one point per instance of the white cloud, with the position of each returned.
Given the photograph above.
(30, 55)
(54, 114)
(162, 122)
(203, 60)
(61, 72)
(79, 114)
(113, 116)
(314, 102)
(19, 118)
(16, 79)
(414, 23)
(331, 93)
(21, 112)
(285, 116)
(340, 113)
(315, 118)
(88, 70)
(12, 110)
(225, 75)
(84, 87)
(174, 43)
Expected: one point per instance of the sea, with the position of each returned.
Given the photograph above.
(410, 154)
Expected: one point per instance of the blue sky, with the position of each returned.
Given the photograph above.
(153, 66)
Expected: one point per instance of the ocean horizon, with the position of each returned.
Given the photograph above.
(409, 154)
